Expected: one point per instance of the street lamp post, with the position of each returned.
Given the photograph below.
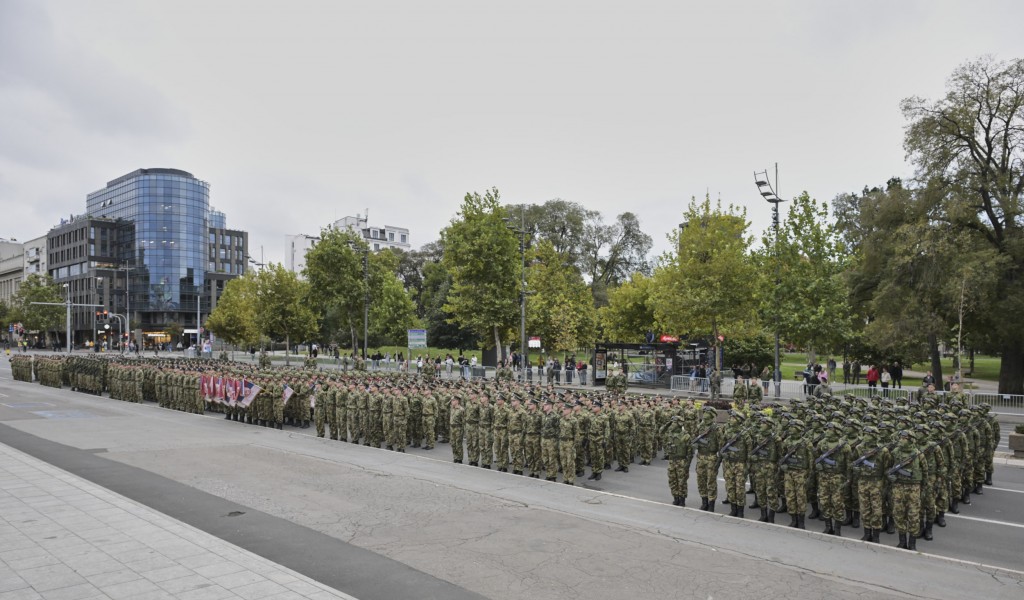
(523, 350)
(67, 304)
(770, 193)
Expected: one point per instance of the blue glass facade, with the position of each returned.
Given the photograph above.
(164, 215)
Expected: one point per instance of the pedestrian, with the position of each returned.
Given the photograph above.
(886, 379)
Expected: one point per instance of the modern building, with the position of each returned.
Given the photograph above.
(35, 257)
(296, 247)
(11, 269)
(377, 238)
(149, 245)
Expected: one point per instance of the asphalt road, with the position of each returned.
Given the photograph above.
(379, 524)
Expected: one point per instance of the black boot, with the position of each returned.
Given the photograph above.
(754, 504)
(782, 507)
(771, 516)
(977, 490)
(828, 527)
(732, 509)
(279, 426)
(726, 500)
(839, 529)
(598, 478)
(682, 501)
(941, 519)
(792, 520)
(848, 517)
(675, 500)
(739, 512)
(921, 527)
(903, 541)
(874, 536)
(305, 425)
(954, 507)
(815, 513)
(703, 503)
(764, 515)
(856, 519)
(867, 535)
(891, 527)
(227, 416)
(911, 543)
(988, 479)
(928, 532)
(711, 506)
(800, 523)
(965, 498)
(592, 476)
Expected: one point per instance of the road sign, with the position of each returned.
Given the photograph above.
(417, 338)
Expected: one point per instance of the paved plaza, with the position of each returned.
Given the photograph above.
(62, 537)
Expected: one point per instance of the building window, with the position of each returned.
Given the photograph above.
(391, 236)
(211, 267)
(403, 238)
(376, 247)
(213, 238)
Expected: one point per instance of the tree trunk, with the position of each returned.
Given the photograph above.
(355, 347)
(287, 351)
(936, 355)
(1011, 369)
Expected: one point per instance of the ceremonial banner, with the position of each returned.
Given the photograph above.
(251, 389)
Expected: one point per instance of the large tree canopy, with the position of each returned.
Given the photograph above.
(482, 257)
(968, 147)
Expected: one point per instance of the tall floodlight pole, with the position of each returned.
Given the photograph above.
(770, 194)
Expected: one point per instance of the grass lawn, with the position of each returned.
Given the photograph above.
(985, 367)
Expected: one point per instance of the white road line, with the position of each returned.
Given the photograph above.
(4, 396)
(994, 522)
(1004, 490)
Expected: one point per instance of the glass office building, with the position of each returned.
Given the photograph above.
(163, 215)
(151, 247)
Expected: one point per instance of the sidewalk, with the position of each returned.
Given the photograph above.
(62, 537)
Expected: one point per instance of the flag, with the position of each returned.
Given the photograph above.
(312, 395)
(234, 386)
(288, 391)
(251, 389)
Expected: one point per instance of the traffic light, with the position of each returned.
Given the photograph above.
(102, 316)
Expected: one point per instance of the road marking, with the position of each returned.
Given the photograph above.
(4, 395)
(1004, 490)
(994, 522)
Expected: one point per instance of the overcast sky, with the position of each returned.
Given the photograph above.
(302, 112)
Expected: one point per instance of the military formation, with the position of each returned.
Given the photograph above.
(880, 463)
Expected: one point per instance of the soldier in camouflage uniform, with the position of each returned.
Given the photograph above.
(832, 464)
(599, 434)
(428, 417)
(567, 429)
(456, 425)
(680, 453)
(906, 477)
(500, 417)
(707, 443)
(549, 441)
(871, 464)
(796, 464)
(485, 430)
(534, 421)
(763, 459)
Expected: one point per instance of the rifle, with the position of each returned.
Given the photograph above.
(824, 457)
(899, 469)
(721, 450)
(767, 441)
(863, 459)
(697, 439)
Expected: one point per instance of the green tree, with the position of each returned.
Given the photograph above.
(809, 300)
(392, 311)
(482, 256)
(334, 270)
(234, 318)
(630, 310)
(442, 329)
(560, 309)
(174, 331)
(705, 286)
(35, 317)
(968, 147)
(282, 305)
